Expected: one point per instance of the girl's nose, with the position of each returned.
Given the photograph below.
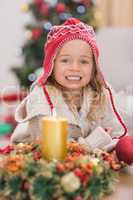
(75, 66)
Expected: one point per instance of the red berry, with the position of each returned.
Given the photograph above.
(78, 172)
(36, 155)
(60, 168)
(78, 198)
(26, 186)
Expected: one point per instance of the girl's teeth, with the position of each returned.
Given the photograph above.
(77, 78)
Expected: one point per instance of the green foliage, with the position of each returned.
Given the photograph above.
(22, 74)
(31, 168)
(14, 185)
(41, 188)
(33, 52)
(2, 183)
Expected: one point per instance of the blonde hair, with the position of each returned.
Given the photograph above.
(99, 100)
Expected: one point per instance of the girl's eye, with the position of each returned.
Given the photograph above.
(84, 62)
(64, 60)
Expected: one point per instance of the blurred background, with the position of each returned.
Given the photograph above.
(24, 26)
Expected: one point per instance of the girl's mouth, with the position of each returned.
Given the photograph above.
(73, 78)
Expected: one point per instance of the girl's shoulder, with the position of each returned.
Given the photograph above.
(33, 105)
(37, 89)
(37, 92)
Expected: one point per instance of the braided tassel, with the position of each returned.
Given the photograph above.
(117, 115)
(53, 111)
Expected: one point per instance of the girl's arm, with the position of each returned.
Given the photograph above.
(107, 128)
(27, 131)
(21, 133)
(28, 115)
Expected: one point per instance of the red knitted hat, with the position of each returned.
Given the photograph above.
(70, 30)
(58, 35)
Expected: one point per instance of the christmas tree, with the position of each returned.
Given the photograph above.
(47, 13)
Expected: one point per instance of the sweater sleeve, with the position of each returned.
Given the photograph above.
(99, 138)
(27, 131)
(28, 115)
(110, 119)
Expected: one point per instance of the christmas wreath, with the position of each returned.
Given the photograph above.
(82, 175)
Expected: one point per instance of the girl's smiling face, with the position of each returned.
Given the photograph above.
(73, 65)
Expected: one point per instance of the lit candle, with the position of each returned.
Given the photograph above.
(54, 137)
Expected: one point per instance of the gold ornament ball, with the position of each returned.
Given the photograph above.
(24, 7)
(29, 34)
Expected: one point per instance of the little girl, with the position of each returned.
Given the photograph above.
(73, 86)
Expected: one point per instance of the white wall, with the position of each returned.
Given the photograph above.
(12, 35)
(116, 55)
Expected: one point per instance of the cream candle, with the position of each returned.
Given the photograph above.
(54, 137)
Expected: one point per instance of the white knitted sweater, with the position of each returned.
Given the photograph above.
(35, 106)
